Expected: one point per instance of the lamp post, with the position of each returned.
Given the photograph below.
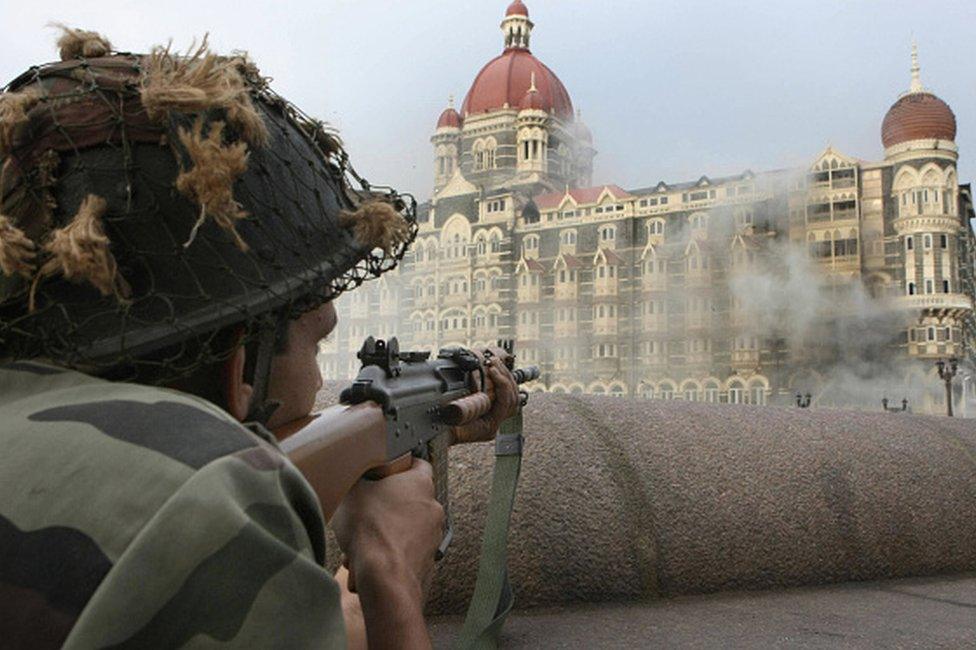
(947, 370)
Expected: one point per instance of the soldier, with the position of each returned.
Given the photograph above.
(171, 236)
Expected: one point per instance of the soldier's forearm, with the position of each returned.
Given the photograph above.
(392, 607)
(352, 613)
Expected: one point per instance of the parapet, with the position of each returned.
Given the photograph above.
(624, 499)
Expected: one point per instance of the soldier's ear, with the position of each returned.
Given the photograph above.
(237, 392)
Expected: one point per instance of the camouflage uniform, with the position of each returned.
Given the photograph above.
(137, 517)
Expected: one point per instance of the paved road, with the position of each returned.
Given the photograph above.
(912, 613)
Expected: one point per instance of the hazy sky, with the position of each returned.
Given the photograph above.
(671, 90)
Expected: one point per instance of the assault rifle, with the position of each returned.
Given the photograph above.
(401, 404)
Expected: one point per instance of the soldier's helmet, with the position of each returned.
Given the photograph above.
(151, 200)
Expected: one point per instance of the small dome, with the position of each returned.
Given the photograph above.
(449, 118)
(517, 8)
(918, 116)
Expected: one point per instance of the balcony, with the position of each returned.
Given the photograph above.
(604, 326)
(567, 330)
(935, 301)
(454, 299)
(745, 359)
(566, 291)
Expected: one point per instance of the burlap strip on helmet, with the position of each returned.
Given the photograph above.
(376, 224)
(210, 182)
(80, 252)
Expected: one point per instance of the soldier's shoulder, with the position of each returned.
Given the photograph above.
(177, 427)
(89, 466)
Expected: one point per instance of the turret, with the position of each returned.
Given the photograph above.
(446, 141)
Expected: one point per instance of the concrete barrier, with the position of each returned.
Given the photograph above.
(622, 499)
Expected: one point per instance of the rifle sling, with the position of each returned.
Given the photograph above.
(493, 598)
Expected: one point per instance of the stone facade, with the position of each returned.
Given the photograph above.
(743, 289)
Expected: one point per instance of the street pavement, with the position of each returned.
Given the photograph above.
(909, 613)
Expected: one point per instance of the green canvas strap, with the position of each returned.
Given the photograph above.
(493, 598)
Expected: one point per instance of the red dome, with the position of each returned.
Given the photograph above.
(506, 79)
(918, 116)
(517, 9)
(449, 118)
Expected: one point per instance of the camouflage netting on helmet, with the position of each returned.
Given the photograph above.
(149, 202)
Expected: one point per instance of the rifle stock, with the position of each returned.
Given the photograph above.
(337, 447)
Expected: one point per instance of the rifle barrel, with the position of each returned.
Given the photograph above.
(526, 374)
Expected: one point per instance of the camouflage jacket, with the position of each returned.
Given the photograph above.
(137, 517)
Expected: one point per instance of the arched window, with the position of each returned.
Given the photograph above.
(736, 392)
(666, 390)
(711, 391)
(495, 242)
(757, 392)
(478, 150)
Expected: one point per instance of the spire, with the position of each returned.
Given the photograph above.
(450, 100)
(916, 86)
(532, 88)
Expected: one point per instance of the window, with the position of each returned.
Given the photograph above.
(943, 241)
(911, 288)
(607, 233)
(931, 334)
(758, 395)
(945, 286)
(909, 243)
(655, 227)
(928, 286)
(666, 390)
(496, 243)
(567, 237)
(711, 392)
(927, 241)
(736, 393)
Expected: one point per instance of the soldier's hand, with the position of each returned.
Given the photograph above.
(389, 531)
(503, 391)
